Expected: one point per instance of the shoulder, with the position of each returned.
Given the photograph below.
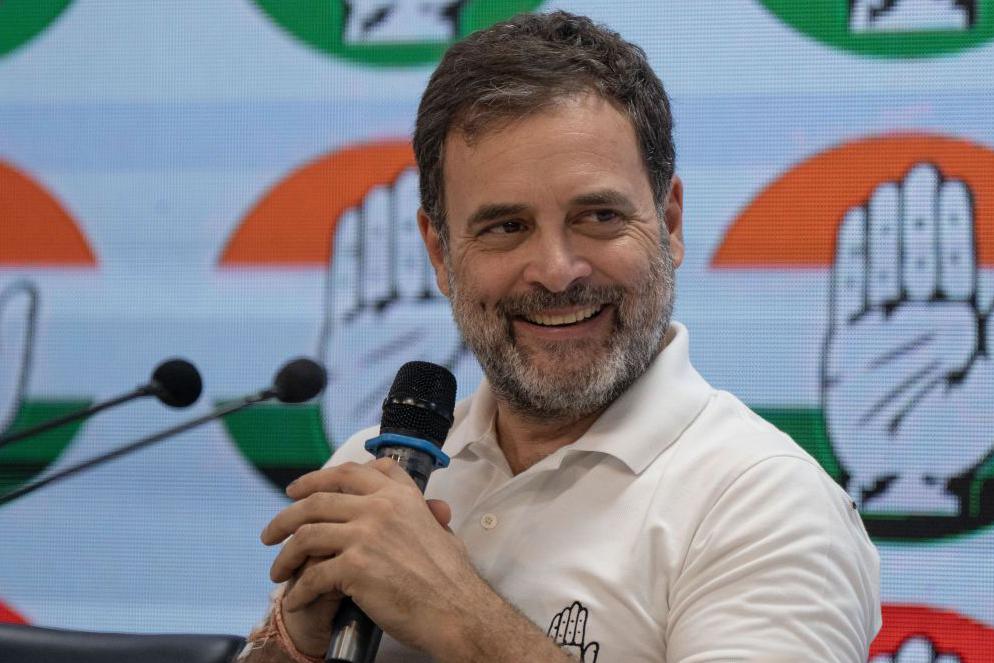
(729, 440)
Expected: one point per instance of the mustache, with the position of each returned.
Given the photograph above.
(540, 299)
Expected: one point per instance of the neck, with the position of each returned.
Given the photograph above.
(525, 440)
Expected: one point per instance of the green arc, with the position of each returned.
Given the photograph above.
(827, 21)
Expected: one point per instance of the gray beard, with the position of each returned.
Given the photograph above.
(589, 375)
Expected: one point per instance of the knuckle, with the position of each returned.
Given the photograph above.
(305, 534)
(348, 467)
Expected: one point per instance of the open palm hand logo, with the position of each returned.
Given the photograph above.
(383, 309)
(569, 630)
(907, 375)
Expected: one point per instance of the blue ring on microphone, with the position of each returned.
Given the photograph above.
(396, 440)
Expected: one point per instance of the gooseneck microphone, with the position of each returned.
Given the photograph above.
(297, 381)
(417, 415)
(175, 382)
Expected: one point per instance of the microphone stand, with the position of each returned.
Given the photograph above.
(73, 416)
(144, 442)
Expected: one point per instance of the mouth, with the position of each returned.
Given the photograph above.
(564, 319)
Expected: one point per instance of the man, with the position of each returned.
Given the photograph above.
(603, 501)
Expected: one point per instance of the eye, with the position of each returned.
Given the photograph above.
(508, 227)
(606, 215)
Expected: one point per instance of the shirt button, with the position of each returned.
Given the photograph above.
(488, 521)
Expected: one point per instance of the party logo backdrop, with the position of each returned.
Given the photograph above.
(905, 224)
(20, 20)
(36, 232)
(388, 32)
(920, 633)
(891, 28)
(351, 214)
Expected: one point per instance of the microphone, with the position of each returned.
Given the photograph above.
(297, 381)
(417, 415)
(175, 382)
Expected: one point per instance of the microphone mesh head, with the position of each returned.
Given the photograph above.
(176, 383)
(420, 402)
(300, 380)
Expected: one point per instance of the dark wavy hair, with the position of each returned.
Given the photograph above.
(523, 65)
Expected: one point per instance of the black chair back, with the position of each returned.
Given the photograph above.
(32, 644)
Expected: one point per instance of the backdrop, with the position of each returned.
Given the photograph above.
(231, 181)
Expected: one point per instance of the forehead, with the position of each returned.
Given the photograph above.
(581, 142)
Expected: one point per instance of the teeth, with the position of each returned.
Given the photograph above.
(567, 319)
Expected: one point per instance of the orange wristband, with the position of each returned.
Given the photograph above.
(284, 638)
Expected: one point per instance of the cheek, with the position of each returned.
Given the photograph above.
(484, 280)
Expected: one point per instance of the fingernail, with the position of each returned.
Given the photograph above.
(291, 485)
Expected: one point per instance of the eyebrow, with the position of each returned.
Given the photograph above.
(495, 211)
(605, 197)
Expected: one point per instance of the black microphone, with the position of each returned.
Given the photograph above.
(297, 381)
(417, 415)
(175, 382)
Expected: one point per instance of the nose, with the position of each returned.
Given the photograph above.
(553, 261)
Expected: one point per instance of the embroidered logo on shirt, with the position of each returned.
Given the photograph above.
(569, 630)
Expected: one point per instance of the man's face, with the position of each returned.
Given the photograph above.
(558, 268)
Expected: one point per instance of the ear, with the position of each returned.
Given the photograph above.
(673, 218)
(436, 254)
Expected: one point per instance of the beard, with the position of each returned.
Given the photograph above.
(570, 379)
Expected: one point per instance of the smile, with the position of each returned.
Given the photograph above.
(574, 317)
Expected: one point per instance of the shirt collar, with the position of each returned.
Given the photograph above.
(637, 427)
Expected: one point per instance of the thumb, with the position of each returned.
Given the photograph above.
(442, 512)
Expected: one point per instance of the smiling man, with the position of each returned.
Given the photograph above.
(603, 501)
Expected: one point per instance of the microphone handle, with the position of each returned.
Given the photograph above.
(135, 446)
(73, 416)
(354, 636)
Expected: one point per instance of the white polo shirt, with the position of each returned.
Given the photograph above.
(680, 527)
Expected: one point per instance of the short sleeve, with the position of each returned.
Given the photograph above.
(780, 569)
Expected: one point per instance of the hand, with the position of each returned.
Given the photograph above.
(402, 20)
(911, 15)
(907, 378)
(18, 314)
(916, 650)
(569, 631)
(383, 309)
(365, 531)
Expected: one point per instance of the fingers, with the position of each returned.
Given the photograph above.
(327, 507)
(883, 279)
(574, 612)
(912, 241)
(919, 197)
(413, 267)
(958, 259)
(561, 627)
(915, 650)
(320, 578)
(350, 478)
(442, 512)
(849, 273)
(314, 540)
(376, 214)
(343, 283)
(581, 626)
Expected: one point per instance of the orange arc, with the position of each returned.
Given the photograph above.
(292, 225)
(792, 222)
(34, 228)
(970, 640)
(9, 616)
